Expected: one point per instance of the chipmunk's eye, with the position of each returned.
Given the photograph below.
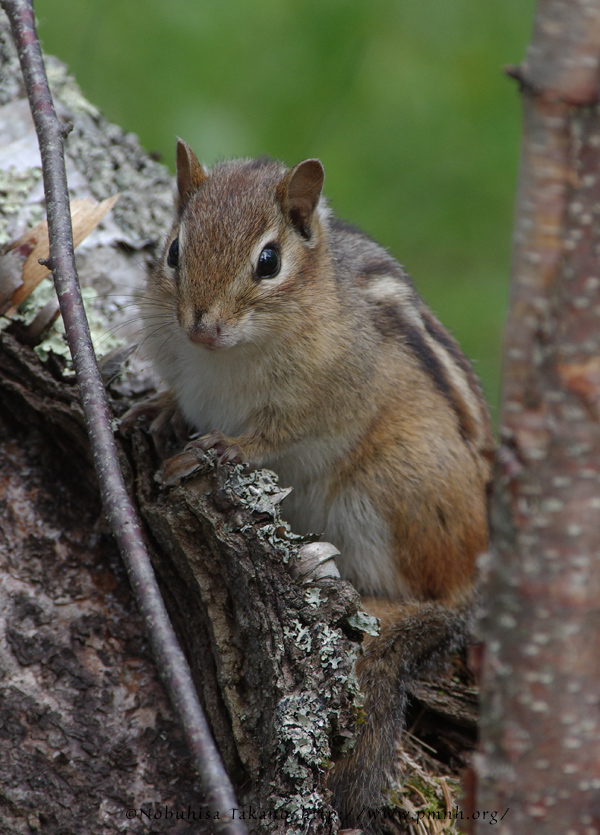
(269, 262)
(173, 253)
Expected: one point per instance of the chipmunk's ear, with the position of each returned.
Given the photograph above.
(190, 173)
(299, 193)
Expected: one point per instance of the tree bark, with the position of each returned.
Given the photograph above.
(88, 737)
(541, 676)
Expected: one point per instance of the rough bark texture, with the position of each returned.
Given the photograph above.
(541, 682)
(87, 733)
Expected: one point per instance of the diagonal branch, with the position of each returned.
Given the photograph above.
(119, 510)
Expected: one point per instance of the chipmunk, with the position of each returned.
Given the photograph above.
(293, 341)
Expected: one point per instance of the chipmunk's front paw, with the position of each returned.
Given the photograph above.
(188, 462)
(165, 422)
(226, 448)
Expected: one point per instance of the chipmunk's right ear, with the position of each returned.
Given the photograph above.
(190, 173)
(299, 193)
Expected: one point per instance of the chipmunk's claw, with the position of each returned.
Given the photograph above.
(227, 450)
(164, 420)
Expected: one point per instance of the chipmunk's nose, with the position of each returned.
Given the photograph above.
(205, 332)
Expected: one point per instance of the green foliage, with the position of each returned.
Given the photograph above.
(404, 101)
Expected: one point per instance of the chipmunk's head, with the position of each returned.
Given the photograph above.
(245, 247)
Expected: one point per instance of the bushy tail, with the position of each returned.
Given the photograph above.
(416, 638)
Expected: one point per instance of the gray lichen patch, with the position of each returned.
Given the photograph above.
(301, 810)
(313, 597)
(15, 189)
(364, 623)
(302, 728)
(259, 492)
(10, 79)
(300, 635)
(304, 720)
(296, 650)
(55, 341)
(111, 160)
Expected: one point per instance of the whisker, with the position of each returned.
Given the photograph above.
(169, 336)
(152, 334)
(114, 329)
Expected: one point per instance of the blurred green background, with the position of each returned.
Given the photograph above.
(404, 101)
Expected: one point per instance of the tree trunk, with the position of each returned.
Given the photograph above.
(541, 674)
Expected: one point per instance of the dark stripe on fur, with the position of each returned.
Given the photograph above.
(441, 335)
(389, 321)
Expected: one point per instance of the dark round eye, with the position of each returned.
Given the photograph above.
(269, 262)
(173, 253)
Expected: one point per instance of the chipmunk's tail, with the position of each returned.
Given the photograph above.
(416, 639)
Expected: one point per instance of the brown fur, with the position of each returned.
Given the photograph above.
(335, 374)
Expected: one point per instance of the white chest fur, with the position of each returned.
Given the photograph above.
(220, 390)
(215, 390)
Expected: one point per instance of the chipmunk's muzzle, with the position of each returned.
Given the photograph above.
(209, 335)
(204, 328)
